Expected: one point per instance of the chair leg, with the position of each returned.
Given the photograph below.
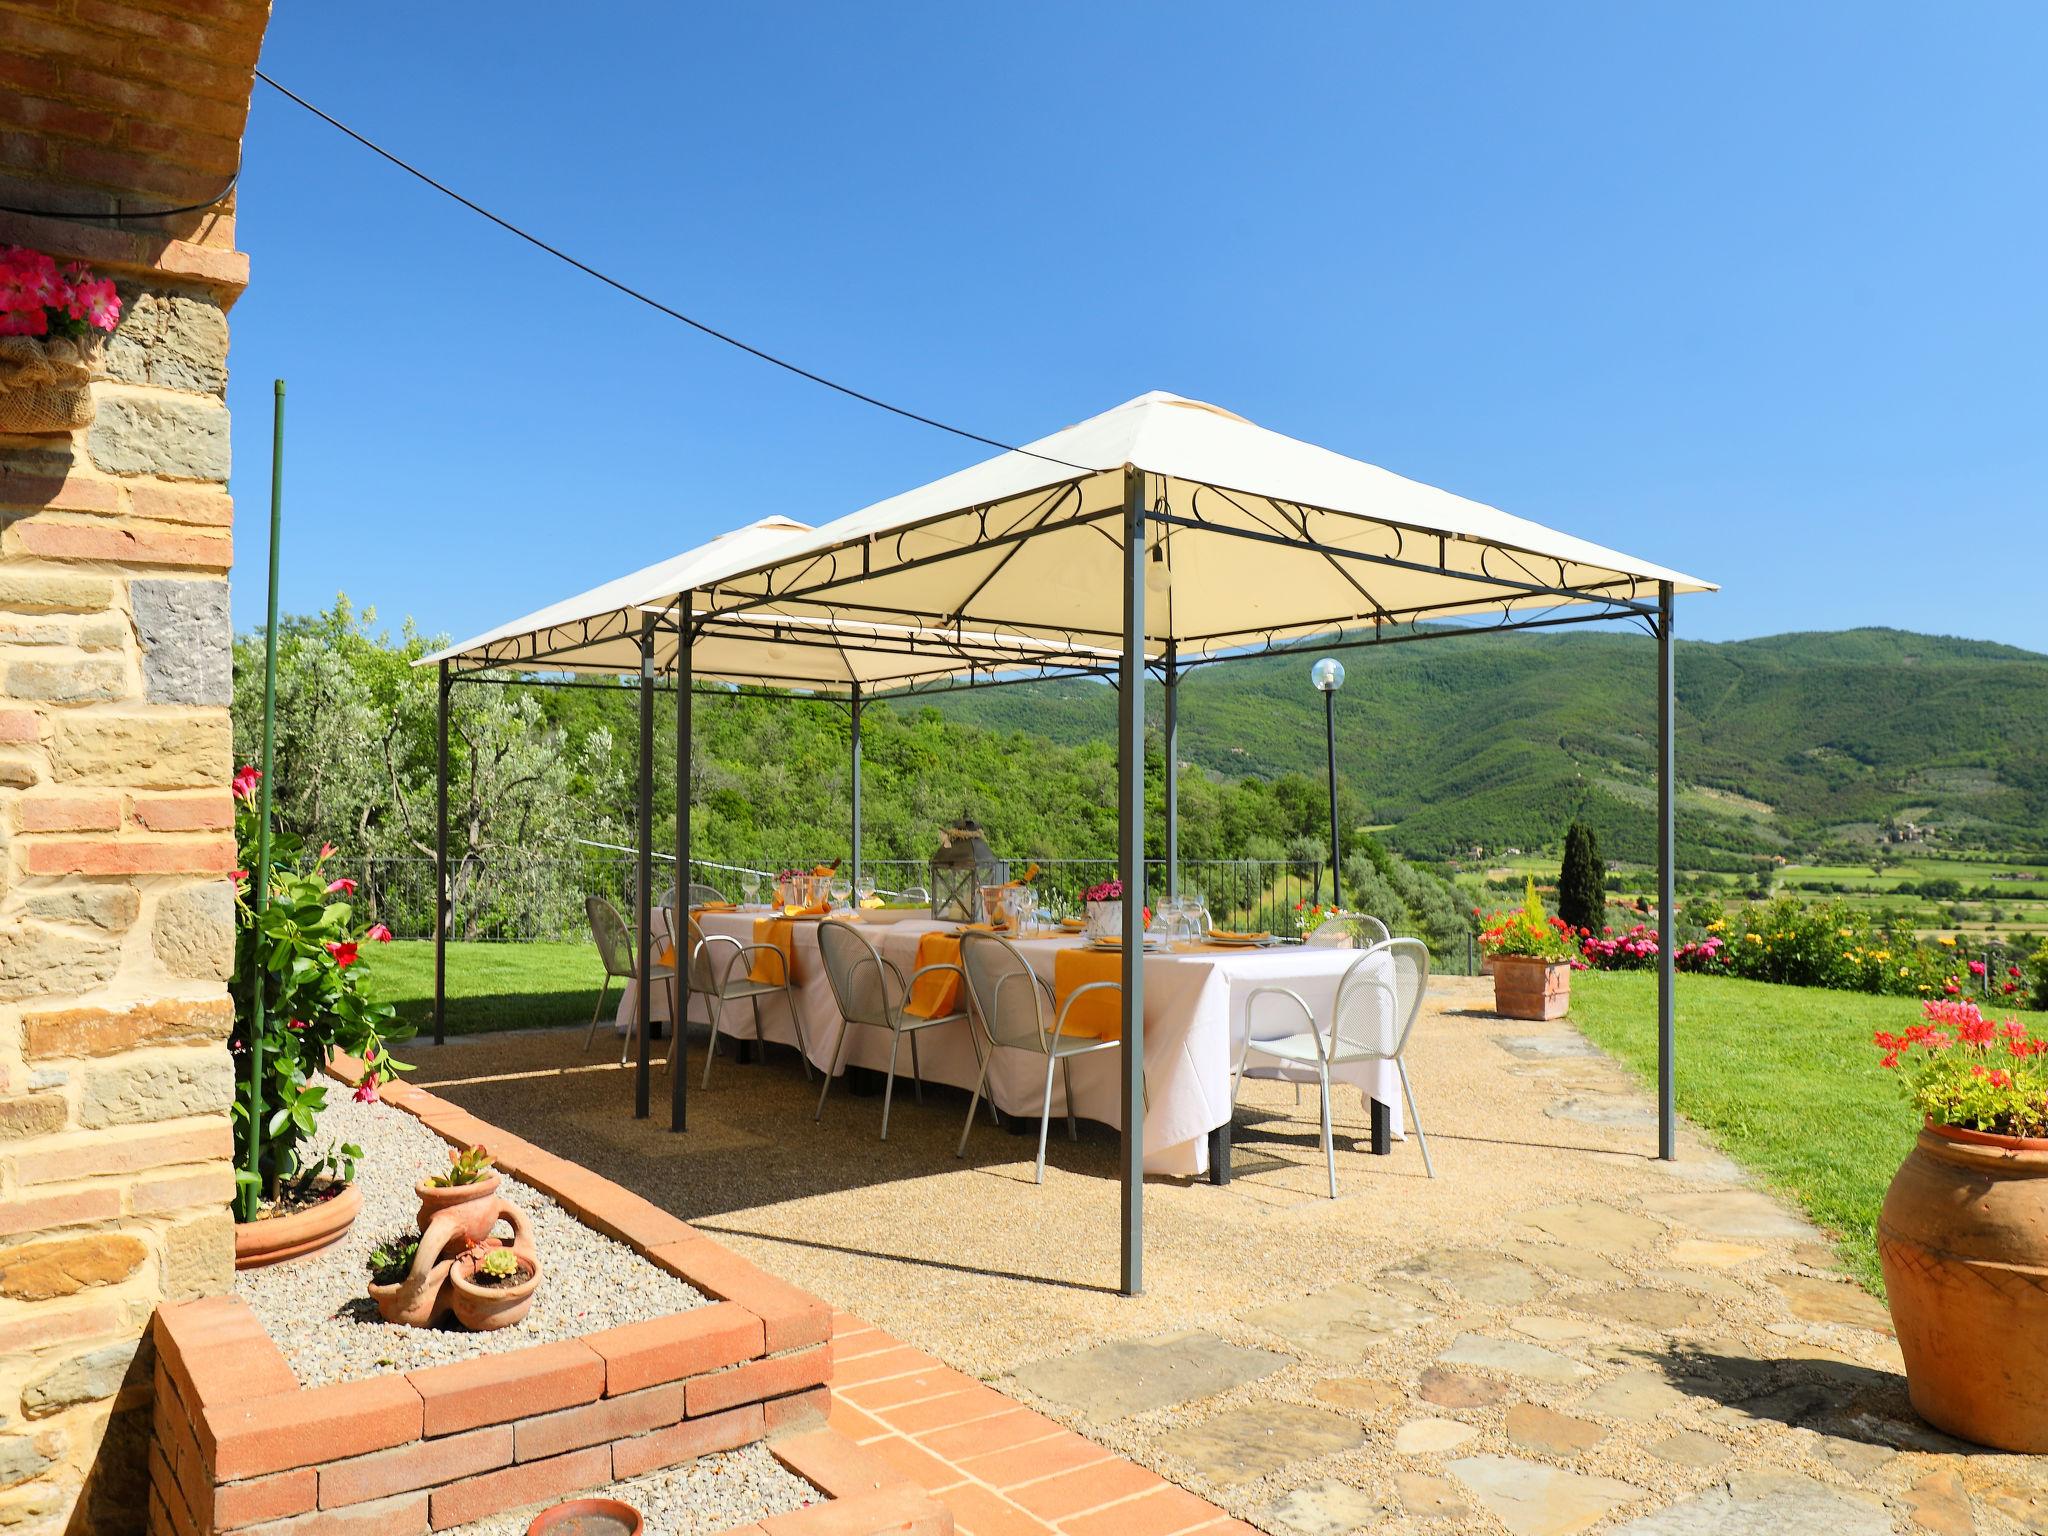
(889, 1088)
(1067, 1080)
(796, 1019)
(1044, 1119)
(838, 1060)
(1329, 1145)
(973, 1104)
(1401, 1067)
(596, 1013)
(916, 1073)
(714, 1007)
(677, 1024)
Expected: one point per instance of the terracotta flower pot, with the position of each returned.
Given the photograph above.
(480, 1307)
(587, 1517)
(298, 1233)
(1527, 988)
(477, 1204)
(1963, 1242)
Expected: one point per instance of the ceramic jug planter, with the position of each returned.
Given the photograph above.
(298, 1233)
(1963, 1243)
(1528, 988)
(480, 1307)
(477, 1203)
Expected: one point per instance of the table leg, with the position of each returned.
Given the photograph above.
(1219, 1154)
(1382, 1130)
(746, 1052)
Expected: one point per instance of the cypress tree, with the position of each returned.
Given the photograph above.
(1582, 882)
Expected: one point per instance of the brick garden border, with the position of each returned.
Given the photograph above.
(240, 1446)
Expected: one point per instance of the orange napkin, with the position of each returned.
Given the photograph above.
(933, 997)
(1099, 1015)
(779, 932)
(713, 906)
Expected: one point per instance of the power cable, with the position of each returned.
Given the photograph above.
(651, 302)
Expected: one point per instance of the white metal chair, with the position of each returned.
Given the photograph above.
(615, 949)
(872, 990)
(702, 895)
(722, 970)
(1349, 930)
(1355, 1030)
(1011, 1000)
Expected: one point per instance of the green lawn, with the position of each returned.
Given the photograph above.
(490, 986)
(1784, 1077)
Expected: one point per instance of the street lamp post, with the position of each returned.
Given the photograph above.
(1328, 676)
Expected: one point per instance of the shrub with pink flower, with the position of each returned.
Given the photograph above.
(307, 950)
(1962, 1069)
(40, 298)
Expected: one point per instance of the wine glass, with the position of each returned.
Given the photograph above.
(750, 886)
(864, 886)
(841, 887)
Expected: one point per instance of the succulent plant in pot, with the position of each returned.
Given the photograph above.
(401, 1292)
(469, 1187)
(493, 1287)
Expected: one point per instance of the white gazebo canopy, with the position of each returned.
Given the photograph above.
(1252, 537)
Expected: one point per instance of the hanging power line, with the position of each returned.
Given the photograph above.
(649, 300)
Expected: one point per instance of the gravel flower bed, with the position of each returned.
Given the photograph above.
(318, 1309)
(711, 1494)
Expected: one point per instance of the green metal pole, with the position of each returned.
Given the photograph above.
(260, 876)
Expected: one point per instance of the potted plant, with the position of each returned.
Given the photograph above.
(402, 1292)
(1532, 958)
(301, 952)
(587, 1517)
(53, 324)
(493, 1287)
(1105, 907)
(469, 1188)
(1963, 1235)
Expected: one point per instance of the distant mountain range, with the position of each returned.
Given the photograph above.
(1791, 744)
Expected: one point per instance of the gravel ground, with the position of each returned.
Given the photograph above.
(713, 1493)
(318, 1309)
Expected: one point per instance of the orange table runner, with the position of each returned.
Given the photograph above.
(933, 997)
(1099, 1015)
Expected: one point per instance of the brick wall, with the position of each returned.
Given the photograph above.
(115, 919)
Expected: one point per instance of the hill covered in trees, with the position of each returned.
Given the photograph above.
(1792, 744)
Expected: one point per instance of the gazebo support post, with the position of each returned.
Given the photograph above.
(1170, 681)
(443, 896)
(643, 895)
(854, 708)
(1131, 862)
(1667, 861)
(678, 1078)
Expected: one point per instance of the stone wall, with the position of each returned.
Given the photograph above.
(115, 840)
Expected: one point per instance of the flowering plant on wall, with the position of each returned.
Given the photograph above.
(53, 321)
(40, 298)
(306, 948)
(1960, 1069)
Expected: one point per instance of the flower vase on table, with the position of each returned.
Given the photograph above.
(1105, 907)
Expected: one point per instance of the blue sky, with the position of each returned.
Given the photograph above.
(1752, 290)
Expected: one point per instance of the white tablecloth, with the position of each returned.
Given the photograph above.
(1195, 1018)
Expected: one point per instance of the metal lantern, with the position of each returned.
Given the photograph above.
(961, 867)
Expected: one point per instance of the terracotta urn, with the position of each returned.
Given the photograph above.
(480, 1307)
(295, 1234)
(1527, 988)
(476, 1205)
(1963, 1243)
(587, 1517)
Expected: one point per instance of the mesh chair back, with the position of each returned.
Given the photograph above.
(854, 968)
(702, 978)
(1350, 931)
(700, 894)
(614, 941)
(1005, 991)
(1379, 998)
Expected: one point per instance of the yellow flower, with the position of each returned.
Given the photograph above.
(1754, 938)
(1947, 941)
(1846, 955)
(1847, 933)
(1907, 970)
(1883, 954)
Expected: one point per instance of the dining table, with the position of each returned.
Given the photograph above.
(1198, 1010)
